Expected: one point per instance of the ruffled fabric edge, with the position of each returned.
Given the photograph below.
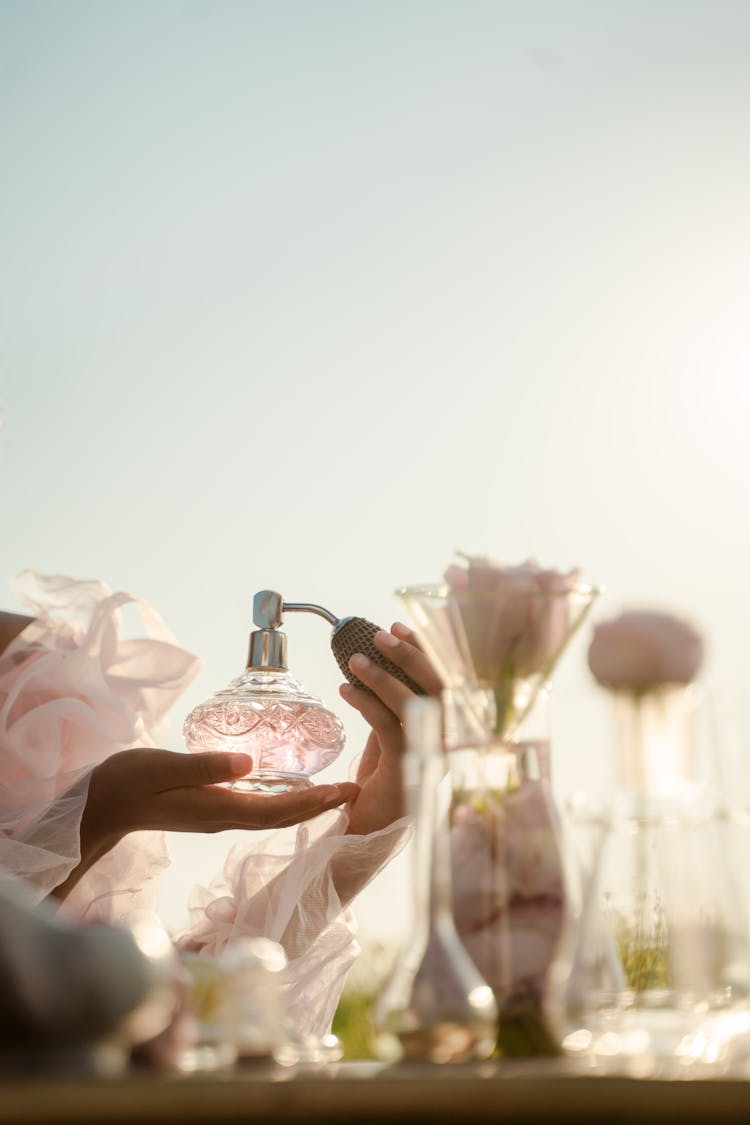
(74, 691)
(299, 900)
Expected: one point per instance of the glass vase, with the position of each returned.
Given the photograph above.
(513, 884)
(655, 977)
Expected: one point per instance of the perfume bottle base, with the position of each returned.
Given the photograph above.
(270, 781)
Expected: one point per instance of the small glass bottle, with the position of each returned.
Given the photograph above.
(267, 713)
(435, 1005)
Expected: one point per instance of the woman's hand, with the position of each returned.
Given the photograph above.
(175, 792)
(380, 798)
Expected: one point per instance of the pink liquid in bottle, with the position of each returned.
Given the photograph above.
(266, 713)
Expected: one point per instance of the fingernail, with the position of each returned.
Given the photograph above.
(240, 763)
(358, 662)
(386, 638)
(399, 627)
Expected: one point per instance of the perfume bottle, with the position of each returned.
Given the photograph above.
(267, 713)
(435, 1006)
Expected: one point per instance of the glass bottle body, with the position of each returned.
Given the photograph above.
(266, 713)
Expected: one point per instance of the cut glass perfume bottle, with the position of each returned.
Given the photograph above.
(267, 713)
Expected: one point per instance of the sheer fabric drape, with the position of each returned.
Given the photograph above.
(73, 691)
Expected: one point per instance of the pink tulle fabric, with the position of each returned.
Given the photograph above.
(299, 898)
(73, 691)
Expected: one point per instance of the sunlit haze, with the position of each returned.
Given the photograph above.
(310, 294)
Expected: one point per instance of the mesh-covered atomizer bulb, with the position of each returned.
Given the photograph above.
(350, 635)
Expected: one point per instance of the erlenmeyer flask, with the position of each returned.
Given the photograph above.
(655, 978)
(434, 1005)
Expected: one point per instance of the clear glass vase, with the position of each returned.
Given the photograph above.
(513, 883)
(655, 977)
(495, 651)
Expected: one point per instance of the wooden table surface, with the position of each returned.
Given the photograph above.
(372, 1094)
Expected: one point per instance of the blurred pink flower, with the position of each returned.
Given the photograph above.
(644, 649)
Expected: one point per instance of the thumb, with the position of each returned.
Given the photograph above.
(207, 768)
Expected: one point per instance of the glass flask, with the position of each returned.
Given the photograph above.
(267, 713)
(434, 1006)
(655, 977)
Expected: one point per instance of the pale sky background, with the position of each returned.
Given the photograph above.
(307, 294)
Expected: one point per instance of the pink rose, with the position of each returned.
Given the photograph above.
(640, 650)
(508, 885)
(516, 618)
(507, 851)
(533, 844)
(480, 875)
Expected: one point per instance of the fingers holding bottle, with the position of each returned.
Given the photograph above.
(403, 652)
(401, 646)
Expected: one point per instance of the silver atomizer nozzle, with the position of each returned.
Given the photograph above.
(350, 635)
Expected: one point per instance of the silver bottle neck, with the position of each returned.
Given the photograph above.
(267, 649)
